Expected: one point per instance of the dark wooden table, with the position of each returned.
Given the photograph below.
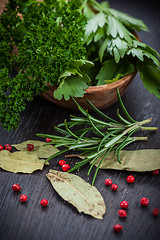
(60, 220)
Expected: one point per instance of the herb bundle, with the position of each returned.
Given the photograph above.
(109, 135)
(71, 45)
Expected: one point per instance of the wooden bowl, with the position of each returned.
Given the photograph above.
(101, 96)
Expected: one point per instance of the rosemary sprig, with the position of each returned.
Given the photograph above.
(108, 135)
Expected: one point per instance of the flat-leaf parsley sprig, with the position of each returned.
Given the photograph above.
(113, 34)
(106, 135)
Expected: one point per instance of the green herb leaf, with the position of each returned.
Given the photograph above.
(100, 34)
(103, 47)
(81, 64)
(104, 5)
(96, 21)
(124, 108)
(128, 21)
(148, 70)
(72, 86)
(115, 28)
(112, 71)
(136, 53)
(88, 12)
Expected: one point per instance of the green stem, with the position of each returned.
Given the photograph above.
(140, 138)
(145, 121)
(149, 128)
(83, 5)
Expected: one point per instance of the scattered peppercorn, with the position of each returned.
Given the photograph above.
(130, 179)
(108, 182)
(7, 147)
(23, 198)
(30, 147)
(44, 202)
(114, 187)
(124, 204)
(61, 162)
(48, 140)
(122, 213)
(144, 201)
(155, 172)
(155, 212)
(65, 167)
(117, 228)
(16, 187)
(1, 147)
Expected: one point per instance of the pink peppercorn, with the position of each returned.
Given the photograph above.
(44, 202)
(65, 167)
(117, 228)
(7, 147)
(108, 182)
(122, 213)
(155, 172)
(155, 212)
(61, 162)
(124, 204)
(23, 198)
(130, 179)
(16, 187)
(1, 147)
(30, 147)
(48, 140)
(144, 201)
(114, 187)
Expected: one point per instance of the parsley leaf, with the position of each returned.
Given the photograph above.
(98, 20)
(115, 28)
(19, 89)
(72, 86)
(128, 21)
(150, 75)
(112, 71)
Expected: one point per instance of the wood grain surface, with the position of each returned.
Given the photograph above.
(60, 220)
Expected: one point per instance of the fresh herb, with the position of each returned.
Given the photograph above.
(51, 37)
(69, 45)
(106, 136)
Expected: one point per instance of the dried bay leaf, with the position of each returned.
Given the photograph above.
(20, 162)
(39, 148)
(25, 161)
(137, 160)
(75, 190)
